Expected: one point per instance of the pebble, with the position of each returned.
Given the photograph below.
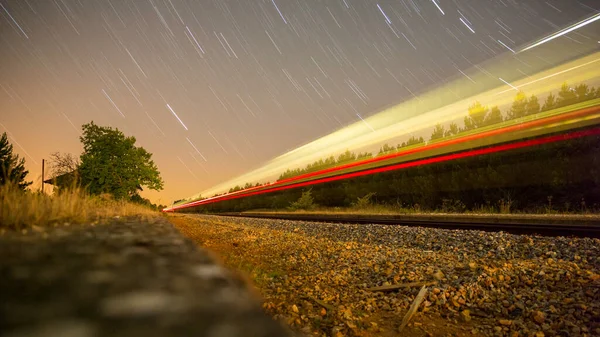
(538, 316)
(506, 281)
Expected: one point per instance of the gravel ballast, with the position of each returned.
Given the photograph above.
(316, 277)
(125, 277)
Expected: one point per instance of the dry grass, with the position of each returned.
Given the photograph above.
(22, 210)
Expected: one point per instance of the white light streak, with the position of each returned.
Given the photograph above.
(277, 8)
(510, 85)
(466, 25)
(13, 19)
(438, 7)
(174, 114)
(564, 31)
(552, 75)
(73, 125)
(113, 103)
(215, 139)
(224, 39)
(275, 44)
(195, 148)
(193, 37)
(12, 138)
(507, 47)
(134, 61)
(415, 48)
(367, 124)
(386, 17)
(188, 168)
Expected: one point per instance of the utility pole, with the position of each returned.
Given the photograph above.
(42, 176)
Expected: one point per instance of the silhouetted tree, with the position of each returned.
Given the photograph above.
(533, 106)
(415, 141)
(518, 108)
(346, 157)
(476, 117)
(12, 169)
(583, 92)
(385, 149)
(365, 155)
(453, 130)
(493, 117)
(438, 132)
(566, 96)
(549, 103)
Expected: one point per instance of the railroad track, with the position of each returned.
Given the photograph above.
(540, 225)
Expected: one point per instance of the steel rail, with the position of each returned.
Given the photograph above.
(538, 225)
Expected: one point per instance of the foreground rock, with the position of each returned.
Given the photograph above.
(319, 277)
(123, 278)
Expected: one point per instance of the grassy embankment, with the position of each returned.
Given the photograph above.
(23, 210)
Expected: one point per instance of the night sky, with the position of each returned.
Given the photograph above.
(216, 88)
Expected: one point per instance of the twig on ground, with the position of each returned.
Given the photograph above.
(321, 303)
(402, 285)
(413, 307)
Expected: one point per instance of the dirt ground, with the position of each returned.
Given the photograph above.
(308, 291)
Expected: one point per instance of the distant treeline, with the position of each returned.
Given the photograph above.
(562, 175)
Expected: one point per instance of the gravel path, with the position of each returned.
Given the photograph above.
(126, 277)
(314, 276)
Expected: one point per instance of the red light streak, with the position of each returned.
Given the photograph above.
(443, 158)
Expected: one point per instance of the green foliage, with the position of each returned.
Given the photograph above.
(346, 157)
(533, 106)
(501, 182)
(453, 130)
(363, 156)
(305, 202)
(519, 106)
(385, 149)
(476, 117)
(453, 206)
(111, 163)
(438, 132)
(12, 168)
(494, 117)
(566, 96)
(365, 201)
(412, 141)
(549, 103)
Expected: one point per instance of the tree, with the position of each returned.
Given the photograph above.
(111, 163)
(519, 106)
(476, 117)
(566, 96)
(494, 117)
(533, 106)
(549, 103)
(385, 149)
(583, 92)
(305, 202)
(365, 155)
(64, 170)
(452, 130)
(346, 157)
(438, 132)
(414, 141)
(12, 169)
(63, 163)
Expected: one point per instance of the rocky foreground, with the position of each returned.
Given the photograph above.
(126, 277)
(319, 278)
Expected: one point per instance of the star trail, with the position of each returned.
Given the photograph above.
(216, 88)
